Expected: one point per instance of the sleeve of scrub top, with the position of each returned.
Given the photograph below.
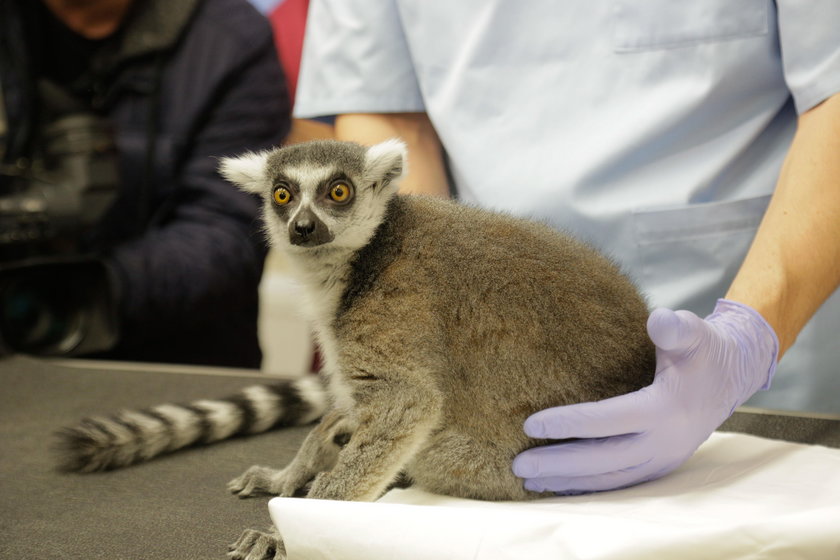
(810, 43)
(355, 60)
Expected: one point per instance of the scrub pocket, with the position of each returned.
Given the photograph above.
(689, 255)
(664, 24)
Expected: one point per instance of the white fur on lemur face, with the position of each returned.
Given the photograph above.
(328, 195)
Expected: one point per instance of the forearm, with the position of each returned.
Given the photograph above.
(304, 130)
(793, 264)
(426, 169)
(200, 265)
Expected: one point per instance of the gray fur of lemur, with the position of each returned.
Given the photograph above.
(442, 328)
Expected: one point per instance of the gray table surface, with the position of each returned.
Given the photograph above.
(175, 507)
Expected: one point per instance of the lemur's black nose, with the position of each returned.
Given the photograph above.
(307, 230)
(304, 228)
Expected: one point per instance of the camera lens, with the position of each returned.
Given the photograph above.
(37, 319)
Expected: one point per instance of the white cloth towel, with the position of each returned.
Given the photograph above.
(739, 496)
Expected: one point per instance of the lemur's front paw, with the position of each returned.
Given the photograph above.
(256, 545)
(257, 481)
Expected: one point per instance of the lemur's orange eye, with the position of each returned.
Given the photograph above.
(340, 192)
(282, 196)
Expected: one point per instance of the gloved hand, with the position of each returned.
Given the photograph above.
(705, 368)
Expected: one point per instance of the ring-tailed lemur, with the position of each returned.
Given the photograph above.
(443, 327)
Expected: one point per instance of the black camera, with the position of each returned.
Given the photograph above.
(54, 300)
(49, 201)
(57, 307)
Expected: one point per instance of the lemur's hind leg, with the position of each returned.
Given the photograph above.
(318, 453)
(395, 421)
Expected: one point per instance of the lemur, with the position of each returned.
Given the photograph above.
(442, 328)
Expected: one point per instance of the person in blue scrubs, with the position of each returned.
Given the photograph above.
(696, 143)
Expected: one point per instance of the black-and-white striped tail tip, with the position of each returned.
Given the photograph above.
(133, 436)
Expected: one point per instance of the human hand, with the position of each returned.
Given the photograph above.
(705, 368)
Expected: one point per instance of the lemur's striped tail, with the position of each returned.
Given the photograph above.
(133, 436)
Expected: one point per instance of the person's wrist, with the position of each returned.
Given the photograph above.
(754, 334)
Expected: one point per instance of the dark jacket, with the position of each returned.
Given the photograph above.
(188, 82)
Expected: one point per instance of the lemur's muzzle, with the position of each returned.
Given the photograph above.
(307, 230)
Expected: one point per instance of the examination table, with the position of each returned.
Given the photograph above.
(176, 506)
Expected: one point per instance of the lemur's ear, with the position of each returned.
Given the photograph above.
(385, 162)
(246, 171)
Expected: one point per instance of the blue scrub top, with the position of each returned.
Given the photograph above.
(655, 130)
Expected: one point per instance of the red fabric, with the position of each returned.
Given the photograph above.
(289, 22)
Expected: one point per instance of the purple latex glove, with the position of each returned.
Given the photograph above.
(705, 368)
